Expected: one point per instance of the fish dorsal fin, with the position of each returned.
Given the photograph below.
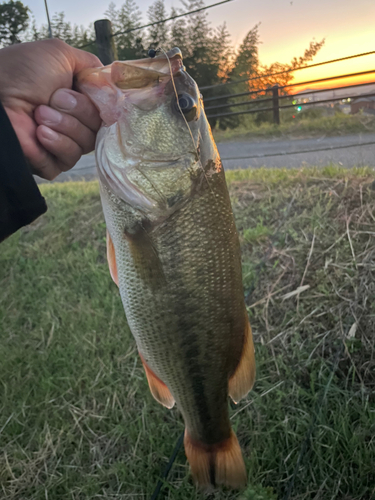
(243, 379)
(157, 387)
(111, 257)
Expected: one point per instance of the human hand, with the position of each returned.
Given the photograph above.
(54, 124)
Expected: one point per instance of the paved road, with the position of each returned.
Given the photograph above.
(279, 152)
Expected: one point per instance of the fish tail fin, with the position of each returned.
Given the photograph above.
(218, 464)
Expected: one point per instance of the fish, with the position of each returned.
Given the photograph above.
(173, 251)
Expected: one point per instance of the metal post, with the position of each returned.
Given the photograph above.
(105, 42)
(275, 102)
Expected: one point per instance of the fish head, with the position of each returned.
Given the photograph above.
(155, 139)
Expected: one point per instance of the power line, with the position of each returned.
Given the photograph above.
(92, 169)
(290, 96)
(171, 18)
(290, 105)
(159, 22)
(86, 45)
(286, 153)
(349, 75)
(288, 70)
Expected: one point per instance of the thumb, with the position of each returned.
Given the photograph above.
(80, 59)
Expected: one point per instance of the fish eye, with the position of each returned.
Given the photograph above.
(187, 105)
(186, 102)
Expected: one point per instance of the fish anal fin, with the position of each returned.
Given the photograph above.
(217, 464)
(111, 257)
(243, 378)
(157, 387)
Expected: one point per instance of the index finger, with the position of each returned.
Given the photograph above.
(77, 105)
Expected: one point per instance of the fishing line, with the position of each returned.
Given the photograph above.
(168, 467)
(183, 116)
(178, 104)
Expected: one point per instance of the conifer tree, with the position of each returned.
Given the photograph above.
(157, 35)
(129, 45)
(61, 28)
(178, 35)
(247, 59)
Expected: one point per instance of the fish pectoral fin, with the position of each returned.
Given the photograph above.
(144, 254)
(157, 387)
(243, 378)
(217, 464)
(111, 257)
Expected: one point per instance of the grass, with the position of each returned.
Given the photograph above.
(76, 417)
(305, 125)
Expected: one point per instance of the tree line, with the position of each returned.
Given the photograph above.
(208, 52)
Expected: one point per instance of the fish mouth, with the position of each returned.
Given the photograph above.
(134, 74)
(141, 82)
(141, 73)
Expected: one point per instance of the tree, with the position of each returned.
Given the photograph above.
(223, 56)
(223, 53)
(83, 37)
(14, 19)
(112, 14)
(199, 59)
(247, 60)
(61, 29)
(286, 70)
(208, 54)
(158, 34)
(128, 17)
(34, 32)
(178, 35)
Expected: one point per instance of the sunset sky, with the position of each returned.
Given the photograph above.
(286, 28)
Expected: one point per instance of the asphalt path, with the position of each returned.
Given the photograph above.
(294, 153)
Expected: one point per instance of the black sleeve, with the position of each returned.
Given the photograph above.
(20, 198)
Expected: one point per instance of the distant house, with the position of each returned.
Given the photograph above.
(367, 104)
(338, 97)
(308, 96)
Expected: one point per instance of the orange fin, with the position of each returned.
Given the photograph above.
(243, 379)
(157, 387)
(111, 257)
(216, 464)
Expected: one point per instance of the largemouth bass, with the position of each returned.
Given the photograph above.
(173, 251)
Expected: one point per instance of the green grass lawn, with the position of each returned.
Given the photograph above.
(77, 420)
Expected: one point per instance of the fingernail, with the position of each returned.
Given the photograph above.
(64, 100)
(50, 116)
(48, 134)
